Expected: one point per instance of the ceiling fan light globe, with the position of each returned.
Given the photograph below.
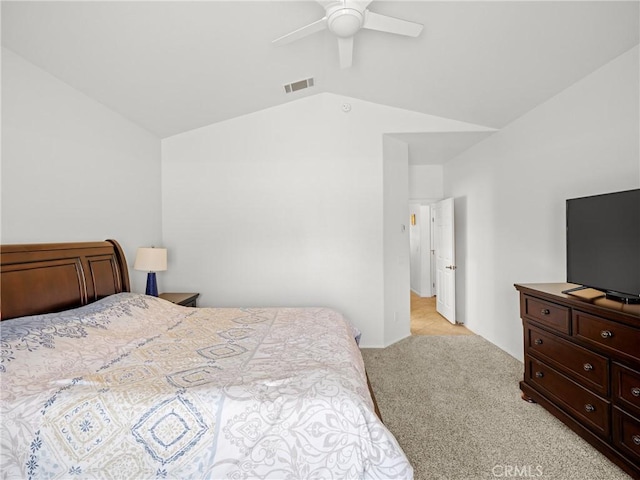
(345, 22)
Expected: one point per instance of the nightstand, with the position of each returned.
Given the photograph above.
(184, 299)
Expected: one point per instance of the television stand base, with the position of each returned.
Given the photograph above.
(574, 289)
(624, 298)
(586, 293)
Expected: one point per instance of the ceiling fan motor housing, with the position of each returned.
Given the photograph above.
(344, 18)
(344, 22)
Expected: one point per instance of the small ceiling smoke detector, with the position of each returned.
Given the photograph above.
(299, 85)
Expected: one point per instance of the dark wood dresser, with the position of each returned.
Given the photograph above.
(184, 299)
(582, 363)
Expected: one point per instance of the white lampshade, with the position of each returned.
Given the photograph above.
(151, 259)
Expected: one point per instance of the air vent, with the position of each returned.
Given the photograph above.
(299, 85)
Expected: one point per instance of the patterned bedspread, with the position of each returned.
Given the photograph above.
(136, 387)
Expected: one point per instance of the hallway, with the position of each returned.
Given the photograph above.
(425, 320)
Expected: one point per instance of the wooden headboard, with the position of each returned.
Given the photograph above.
(51, 277)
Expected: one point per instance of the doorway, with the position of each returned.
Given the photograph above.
(425, 320)
(430, 238)
(422, 253)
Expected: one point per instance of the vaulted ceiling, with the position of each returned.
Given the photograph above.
(175, 66)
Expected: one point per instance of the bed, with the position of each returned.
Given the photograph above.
(99, 382)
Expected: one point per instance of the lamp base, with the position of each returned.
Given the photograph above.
(152, 285)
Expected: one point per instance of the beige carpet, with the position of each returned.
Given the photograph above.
(453, 403)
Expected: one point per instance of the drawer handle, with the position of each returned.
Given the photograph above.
(588, 367)
(589, 408)
(538, 341)
(545, 311)
(539, 374)
(606, 334)
(635, 391)
(636, 439)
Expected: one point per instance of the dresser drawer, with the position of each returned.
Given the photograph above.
(587, 407)
(549, 314)
(614, 337)
(626, 388)
(626, 433)
(586, 367)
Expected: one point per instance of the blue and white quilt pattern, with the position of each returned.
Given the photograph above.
(136, 387)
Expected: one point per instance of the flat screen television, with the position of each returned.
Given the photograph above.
(603, 244)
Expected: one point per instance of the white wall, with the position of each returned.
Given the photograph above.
(73, 170)
(510, 192)
(285, 207)
(426, 183)
(396, 227)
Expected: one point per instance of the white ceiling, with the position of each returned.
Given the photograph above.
(175, 66)
(436, 148)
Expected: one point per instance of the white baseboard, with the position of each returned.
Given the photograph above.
(420, 294)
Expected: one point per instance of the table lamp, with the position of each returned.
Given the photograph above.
(151, 260)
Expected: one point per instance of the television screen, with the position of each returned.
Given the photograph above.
(603, 242)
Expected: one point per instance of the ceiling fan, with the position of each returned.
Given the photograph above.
(344, 18)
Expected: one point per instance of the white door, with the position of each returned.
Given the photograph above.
(445, 260)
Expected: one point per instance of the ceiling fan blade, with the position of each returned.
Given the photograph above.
(326, 3)
(301, 32)
(345, 49)
(383, 23)
(358, 4)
